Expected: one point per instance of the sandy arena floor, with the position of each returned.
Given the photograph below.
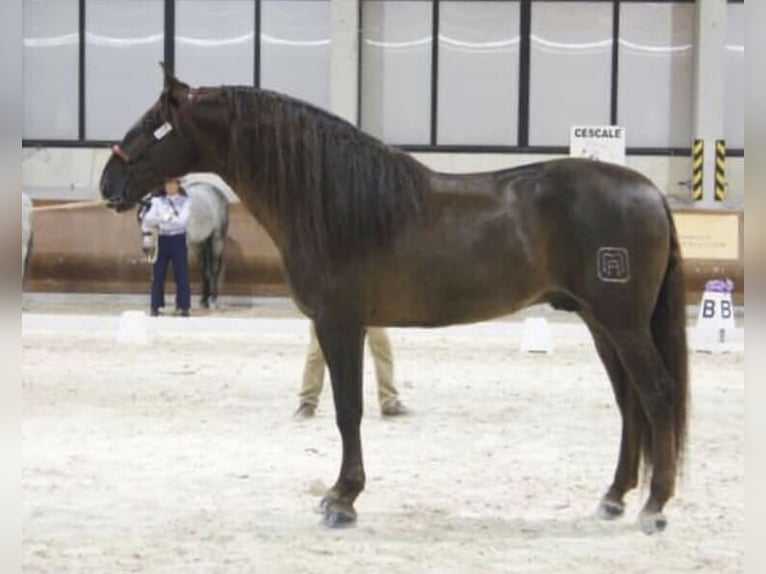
(183, 457)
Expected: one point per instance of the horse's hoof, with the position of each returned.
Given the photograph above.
(336, 517)
(336, 514)
(204, 304)
(324, 505)
(610, 510)
(652, 522)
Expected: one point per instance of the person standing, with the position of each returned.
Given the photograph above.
(169, 213)
(313, 375)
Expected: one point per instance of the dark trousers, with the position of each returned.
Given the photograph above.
(172, 249)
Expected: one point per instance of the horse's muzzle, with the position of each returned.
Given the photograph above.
(119, 206)
(147, 243)
(115, 192)
(116, 200)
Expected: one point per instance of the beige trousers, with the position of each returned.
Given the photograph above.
(380, 347)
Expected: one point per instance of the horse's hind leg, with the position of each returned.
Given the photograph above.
(633, 420)
(217, 244)
(657, 393)
(202, 249)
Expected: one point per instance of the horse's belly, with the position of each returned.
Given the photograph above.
(462, 292)
(429, 314)
(469, 265)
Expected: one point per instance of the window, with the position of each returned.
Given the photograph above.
(124, 43)
(295, 48)
(734, 91)
(478, 73)
(51, 69)
(570, 69)
(505, 73)
(656, 73)
(396, 70)
(215, 42)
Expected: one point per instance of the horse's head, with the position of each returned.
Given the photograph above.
(148, 235)
(155, 148)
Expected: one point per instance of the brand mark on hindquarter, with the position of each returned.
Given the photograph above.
(613, 264)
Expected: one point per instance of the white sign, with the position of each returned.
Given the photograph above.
(715, 321)
(602, 143)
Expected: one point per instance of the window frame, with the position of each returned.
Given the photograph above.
(76, 127)
(522, 147)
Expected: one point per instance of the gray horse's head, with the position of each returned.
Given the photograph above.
(148, 236)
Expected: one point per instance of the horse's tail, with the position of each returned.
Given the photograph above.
(223, 205)
(225, 219)
(669, 334)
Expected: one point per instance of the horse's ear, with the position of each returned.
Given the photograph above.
(173, 88)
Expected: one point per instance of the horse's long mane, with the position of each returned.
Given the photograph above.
(336, 189)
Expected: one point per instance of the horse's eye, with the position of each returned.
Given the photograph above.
(150, 122)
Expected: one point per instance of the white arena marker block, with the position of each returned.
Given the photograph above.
(715, 320)
(133, 328)
(536, 336)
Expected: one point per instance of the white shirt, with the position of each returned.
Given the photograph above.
(170, 214)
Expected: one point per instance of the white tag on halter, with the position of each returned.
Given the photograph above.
(162, 131)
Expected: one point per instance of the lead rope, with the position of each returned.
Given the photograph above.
(73, 205)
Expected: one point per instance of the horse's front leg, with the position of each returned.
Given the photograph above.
(342, 345)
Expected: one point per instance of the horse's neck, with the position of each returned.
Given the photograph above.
(244, 186)
(264, 151)
(237, 173)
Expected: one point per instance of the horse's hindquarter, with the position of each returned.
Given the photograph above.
(605, 233)
(206, 211)
(471, 258)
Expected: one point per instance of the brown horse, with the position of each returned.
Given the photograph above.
(369, 236)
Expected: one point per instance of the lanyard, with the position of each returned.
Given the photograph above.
(170, 203)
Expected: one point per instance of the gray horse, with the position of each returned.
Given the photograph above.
(206, 234)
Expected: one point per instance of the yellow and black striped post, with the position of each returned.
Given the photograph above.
(720, 170)
(697, 150)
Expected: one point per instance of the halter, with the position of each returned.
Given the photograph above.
(120, 153)
(144, 140)
(129, 156)
(142, 143)
(139, 147)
